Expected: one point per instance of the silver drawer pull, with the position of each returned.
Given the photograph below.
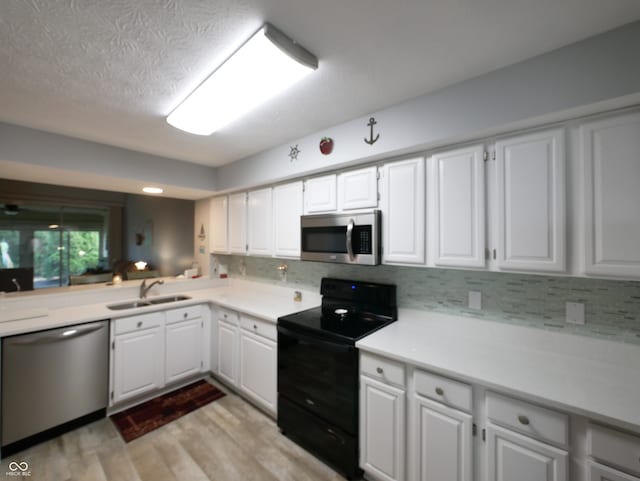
(255, 327)
(310, 402)
(379, 370)
(523, 420)
(185, 315)
(139, 324)
(225, 316)
(439, 391)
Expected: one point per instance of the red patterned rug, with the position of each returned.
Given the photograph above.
(139, 420)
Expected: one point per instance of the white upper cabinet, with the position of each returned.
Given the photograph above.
(260, 225)
(287, 209)
(358, 189)
(531, 202)
(238, 223)
(320, 194)
(403, 212)
(218, 219)
(611, 165)
(458, 207)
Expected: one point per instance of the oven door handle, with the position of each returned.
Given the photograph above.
(350, 227)
(336, 347)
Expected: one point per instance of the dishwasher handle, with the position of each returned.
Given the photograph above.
(58, 335)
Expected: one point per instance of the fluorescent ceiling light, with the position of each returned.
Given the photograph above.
(265, 65)
(152, 190)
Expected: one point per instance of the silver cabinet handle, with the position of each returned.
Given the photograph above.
(139, 324)
(439, 391)
(379, 370)
(310, 402)
(255, 327)
(350, 226)
(225, 316)
(185, 315)
(523, 420)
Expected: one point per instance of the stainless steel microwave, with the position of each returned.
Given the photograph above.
(342, 238)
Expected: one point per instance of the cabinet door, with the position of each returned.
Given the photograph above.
(382, 430)
(358, 189)
(260, 222)
(287, 209)
(403, 212)
(442, 440)
(458, 207)
(184, 349)
(531, 202)
(513, 457)
(611, 149)
(138, 363)
(320, 194)
(218, 217)
(258, 369)
(228, 352)
(238, 223)
(599, 472)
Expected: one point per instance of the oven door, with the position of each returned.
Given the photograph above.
(320, 376)
(349, 239)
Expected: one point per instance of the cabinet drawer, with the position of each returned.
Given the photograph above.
(453, 393)
(599, 472)
(614, 447)
(227, 315)
(134, 323)
(535, 421)
(184, 313)
(260, 327)
(381, 368)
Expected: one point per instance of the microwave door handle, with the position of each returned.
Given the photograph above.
(350, 226)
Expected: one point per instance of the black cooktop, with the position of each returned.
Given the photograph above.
(350, 310)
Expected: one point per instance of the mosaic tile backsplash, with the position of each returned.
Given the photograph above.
(612, 308)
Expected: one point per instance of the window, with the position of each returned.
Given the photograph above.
(56, 242)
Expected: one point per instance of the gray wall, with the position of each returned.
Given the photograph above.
(600, 72)
(170, 248)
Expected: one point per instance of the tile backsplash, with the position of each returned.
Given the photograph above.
(612, 308)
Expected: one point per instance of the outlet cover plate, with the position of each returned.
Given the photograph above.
(575, 312)
(475, 300)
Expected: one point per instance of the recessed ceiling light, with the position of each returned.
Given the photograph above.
(152, 190)
(265, 65)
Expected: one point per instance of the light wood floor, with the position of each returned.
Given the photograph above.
(227, 440)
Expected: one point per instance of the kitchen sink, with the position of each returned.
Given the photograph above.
(163, 300)
(146, 302)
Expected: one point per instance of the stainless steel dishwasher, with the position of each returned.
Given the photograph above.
(53, 381)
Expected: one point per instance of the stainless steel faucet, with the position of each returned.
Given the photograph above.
(144, 288)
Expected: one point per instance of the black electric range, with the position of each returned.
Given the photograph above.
(318, 368)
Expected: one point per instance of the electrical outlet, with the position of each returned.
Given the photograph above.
(475, 300)
(575, 312)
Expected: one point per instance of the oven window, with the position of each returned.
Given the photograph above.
(325, 239)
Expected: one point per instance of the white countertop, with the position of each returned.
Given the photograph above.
(38, 312)
(594, 377)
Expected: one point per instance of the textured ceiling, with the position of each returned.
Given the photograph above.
(110, 71)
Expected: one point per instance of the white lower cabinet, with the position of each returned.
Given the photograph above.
(184, 349)
(514, 457)
(382, 430)
(441, 442)
(138, 360)
(258, 367)
(150, 351)
(227, 352)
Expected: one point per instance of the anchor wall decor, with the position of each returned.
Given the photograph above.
(371, 140)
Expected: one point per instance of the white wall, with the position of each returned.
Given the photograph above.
(600, 72)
